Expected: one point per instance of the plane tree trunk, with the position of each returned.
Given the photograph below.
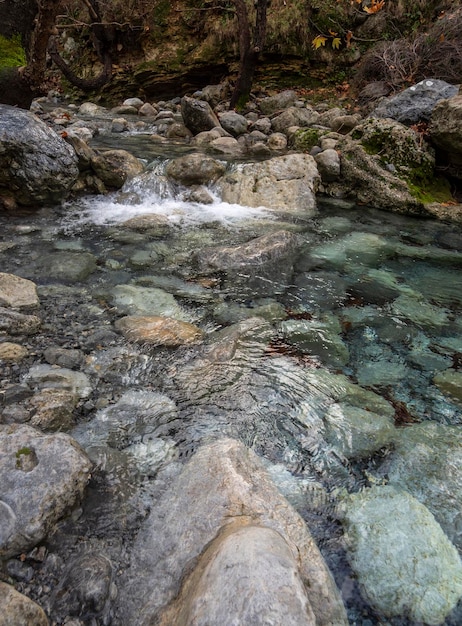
(250, 48)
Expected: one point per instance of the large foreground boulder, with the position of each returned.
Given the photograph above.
(37, 166)
(223, 546)
(41, 478)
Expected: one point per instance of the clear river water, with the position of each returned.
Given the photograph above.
(371, 303)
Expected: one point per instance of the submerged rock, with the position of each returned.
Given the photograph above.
(146, 301)
(427, 462)
(262, 265)
(357, 432)
(221, 524)
(158, 331)
(405, 563)
(15, 608)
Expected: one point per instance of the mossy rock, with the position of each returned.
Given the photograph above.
(304, 139)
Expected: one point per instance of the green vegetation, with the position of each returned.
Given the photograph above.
(306, 138)
(11, 52)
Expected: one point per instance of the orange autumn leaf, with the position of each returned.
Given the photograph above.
(375, 6)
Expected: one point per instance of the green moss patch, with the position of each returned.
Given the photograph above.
(11, 52)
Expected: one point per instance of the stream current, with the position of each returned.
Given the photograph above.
(372, 299)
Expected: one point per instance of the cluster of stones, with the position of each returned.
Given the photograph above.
(339, 141)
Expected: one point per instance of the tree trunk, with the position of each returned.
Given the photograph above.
(34, 73)
(101, 45)
(249, 50)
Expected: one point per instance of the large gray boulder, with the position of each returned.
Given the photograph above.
(416, 103)
(286, 183)
(223, 546)
(198, 115)
(41, 478)
(37, 166)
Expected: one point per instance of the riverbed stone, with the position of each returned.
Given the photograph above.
(352, 249)
(13, 352)
(130, 421)
(64, 266)
(279, 101)
(15, 323)
(53, 409)
(158, 331)
(224, 501)
(233, 122)
(41, 478)
(17, 292)
(294, 116)
(449, 382)
(356, 432)
(250, 571)
(151, 224)
(90, 109)
(427, 461)
(195, 169)
(328, 162)
(319, 337)
(115, 167)
(277, 141)
(266, 262)
(37, 166)
(51, 377)
(420, 311)
(401, 571)
(446, 131)
(227, 146)
(364, 178)
(198, 115)
(146, 301)
(285, 183)
(16, 608)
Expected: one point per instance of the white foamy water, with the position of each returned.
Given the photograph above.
(151, 193)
